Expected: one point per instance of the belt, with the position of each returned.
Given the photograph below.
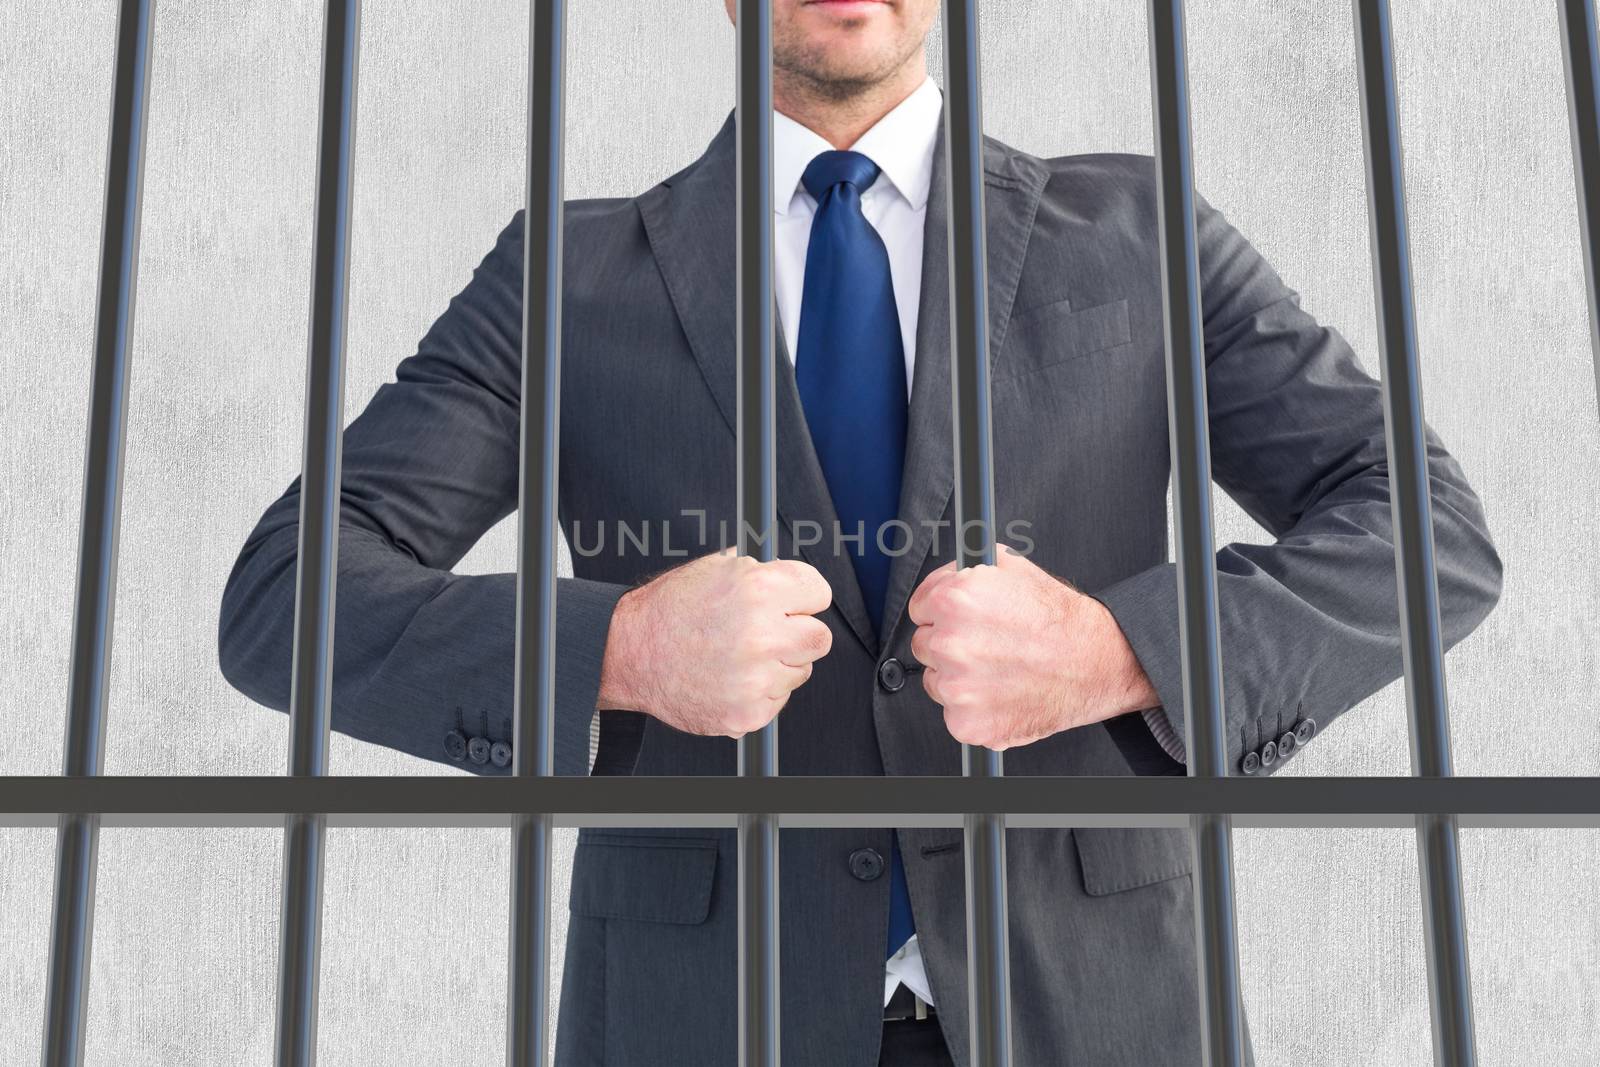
(905, 1004)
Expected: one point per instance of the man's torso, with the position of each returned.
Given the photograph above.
(1102, 955)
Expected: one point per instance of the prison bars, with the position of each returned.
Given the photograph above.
(804, 801)
(1580, 56)
(756, 505)
(528, 981)
(983, 833)
(1188, 431)
(1449, 983)
(80, 799)
(94, 608)
(317, 566)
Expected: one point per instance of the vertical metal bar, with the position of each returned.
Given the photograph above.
(94, 609)
(988, 954)
(1222, 1039)
(1580, 33)
(1449, 980)
(528, 996)
(311, 687)
(757, 516)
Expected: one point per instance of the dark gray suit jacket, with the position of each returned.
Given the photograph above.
(1102, 953)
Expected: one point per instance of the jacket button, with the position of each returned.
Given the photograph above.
(866, 864)
(1252, 762)
(455, 745)
(1269, 753)
(1287, 744)
(1303, 732)
(892, 675)
(500, 754)
(478, 750)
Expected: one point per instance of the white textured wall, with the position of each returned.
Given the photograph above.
(415, 920)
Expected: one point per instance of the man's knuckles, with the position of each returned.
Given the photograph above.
(949, 646)
(808, 592)
(969, 726)
(750, 717)
(785, 587)
(814, 641)
(962, 597)
(749, 647)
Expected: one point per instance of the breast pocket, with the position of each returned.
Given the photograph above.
(1058, 332)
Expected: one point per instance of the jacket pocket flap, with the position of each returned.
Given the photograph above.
(664, 880)
(1053, 333)
(1118, 858)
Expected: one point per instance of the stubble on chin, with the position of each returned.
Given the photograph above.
(823, 76)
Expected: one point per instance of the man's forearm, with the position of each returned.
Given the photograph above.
(419, 653)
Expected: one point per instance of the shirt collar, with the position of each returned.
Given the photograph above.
(901, 144)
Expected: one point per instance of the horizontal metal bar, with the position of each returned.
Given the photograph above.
(802, 801)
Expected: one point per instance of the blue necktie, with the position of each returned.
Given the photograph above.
(851, 372)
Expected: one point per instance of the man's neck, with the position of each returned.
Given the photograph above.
(842, 120)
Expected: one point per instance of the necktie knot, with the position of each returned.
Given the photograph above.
(830, 168)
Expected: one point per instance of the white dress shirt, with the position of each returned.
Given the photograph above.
(901, 144)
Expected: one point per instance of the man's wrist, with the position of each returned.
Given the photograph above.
(619, 668)
(1125, 687)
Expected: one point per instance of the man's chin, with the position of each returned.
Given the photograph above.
(840, 69)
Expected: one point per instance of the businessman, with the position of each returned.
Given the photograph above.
(871, 653)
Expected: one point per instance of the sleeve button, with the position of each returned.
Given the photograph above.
(500, 754)
(478, 750)
(1252, 762)
(1287, 744)
(455, 745)
(1303, 732)
(1269, 753)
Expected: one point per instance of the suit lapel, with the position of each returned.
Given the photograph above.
(690, 225)
(1012, 186)
(689, 222)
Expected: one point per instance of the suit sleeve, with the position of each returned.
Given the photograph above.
(1309, 624)
(429, 466)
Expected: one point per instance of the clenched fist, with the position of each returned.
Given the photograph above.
(1015, 654)
(716, 646)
